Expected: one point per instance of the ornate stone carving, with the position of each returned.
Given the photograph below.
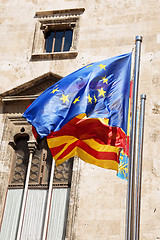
(40, 166)
(62, 173)
(20, 161)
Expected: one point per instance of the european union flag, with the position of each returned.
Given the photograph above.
(100, 90)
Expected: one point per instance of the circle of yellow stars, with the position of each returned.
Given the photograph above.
(101, 91)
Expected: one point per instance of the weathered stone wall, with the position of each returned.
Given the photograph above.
(107, 28)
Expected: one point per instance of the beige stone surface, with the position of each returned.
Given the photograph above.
(107, 28)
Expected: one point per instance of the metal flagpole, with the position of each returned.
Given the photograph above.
(139, 167)
(130, 203)
(49, 198)
(32, 147)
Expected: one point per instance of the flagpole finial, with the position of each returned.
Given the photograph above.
(139, 38)
(143, 96)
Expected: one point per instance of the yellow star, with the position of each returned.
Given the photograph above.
(102, 66)
(89, 99)
(95, 99)
(76, 100)
(101, 92)
(89, 66)
(105, 80)
(64, 98)
(54, 90)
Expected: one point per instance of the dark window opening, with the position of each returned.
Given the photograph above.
(58, 40)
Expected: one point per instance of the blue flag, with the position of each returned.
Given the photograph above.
(100, 90)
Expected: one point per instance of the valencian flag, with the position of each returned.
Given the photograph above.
(86, 113)
(124, 154)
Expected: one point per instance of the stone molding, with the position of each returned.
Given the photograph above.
(60, 13)
(54, 56)
(31, 88)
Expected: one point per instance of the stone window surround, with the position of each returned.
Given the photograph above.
(13, 125)
(57, 19)
(14, 103)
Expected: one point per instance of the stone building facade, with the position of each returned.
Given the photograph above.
(100, 29)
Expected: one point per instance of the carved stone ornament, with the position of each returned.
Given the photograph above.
(40, 166)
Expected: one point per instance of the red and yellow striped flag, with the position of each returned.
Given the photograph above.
(92, 140)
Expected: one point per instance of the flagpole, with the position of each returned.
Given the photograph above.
(49, 198)
(131, 177)
(139, 167)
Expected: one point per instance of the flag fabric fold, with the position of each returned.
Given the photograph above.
(86, 113)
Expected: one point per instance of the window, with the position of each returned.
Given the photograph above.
(56, 34)
(37, 193)
(16, 151)
(58, 40)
